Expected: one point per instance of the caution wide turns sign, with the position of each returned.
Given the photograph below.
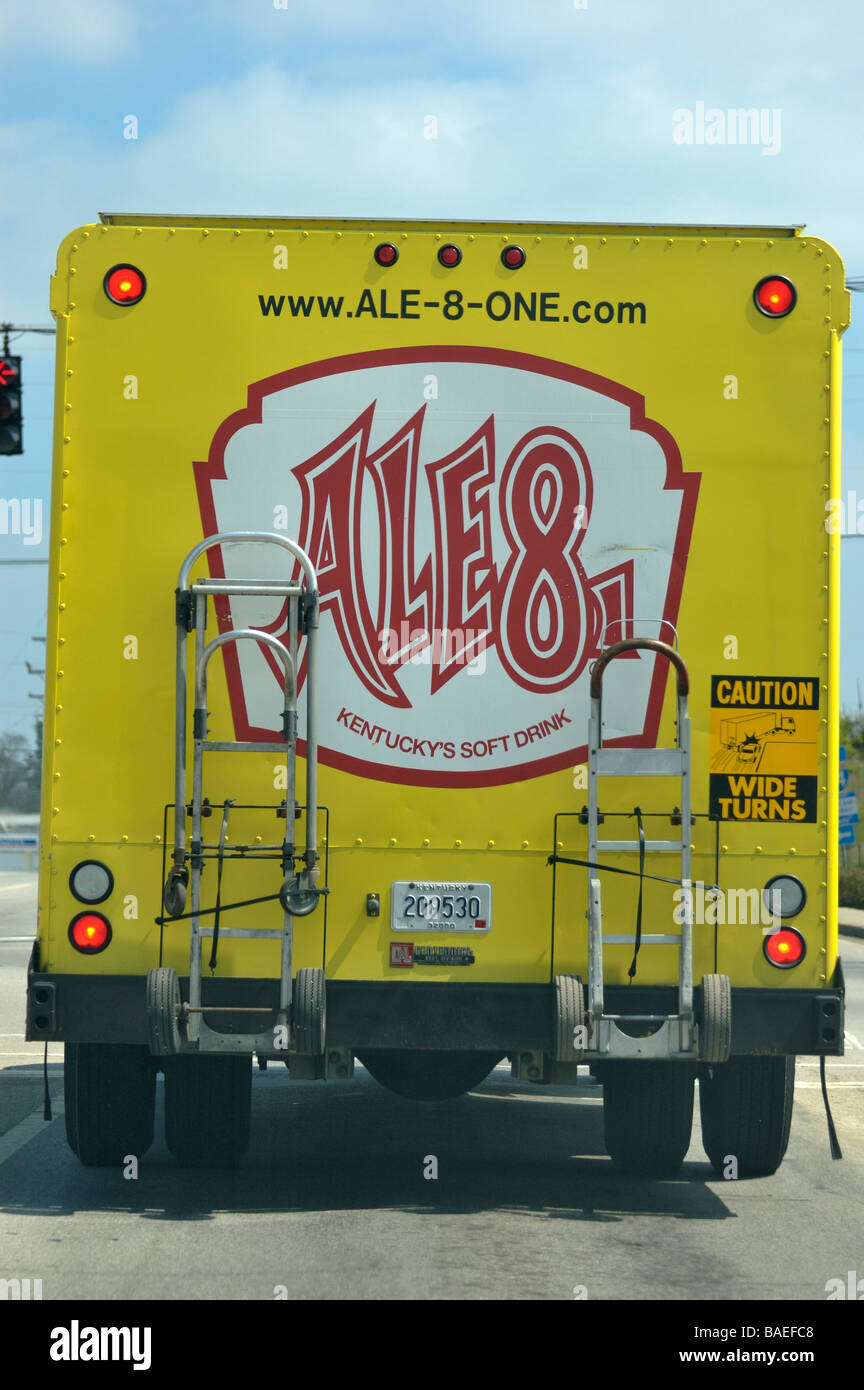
(763, 747)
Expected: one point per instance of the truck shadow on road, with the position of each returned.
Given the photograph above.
(347, 1146)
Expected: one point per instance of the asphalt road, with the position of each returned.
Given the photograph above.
(332, 1202)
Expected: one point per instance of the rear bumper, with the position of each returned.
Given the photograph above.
(416, 1016)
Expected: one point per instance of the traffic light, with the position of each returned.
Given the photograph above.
(10, 406)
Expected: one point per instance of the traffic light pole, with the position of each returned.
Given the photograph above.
(7, 328)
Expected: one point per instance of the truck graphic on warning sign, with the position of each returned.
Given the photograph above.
(745, 737)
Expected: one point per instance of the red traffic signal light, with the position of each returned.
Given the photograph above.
(10, 406)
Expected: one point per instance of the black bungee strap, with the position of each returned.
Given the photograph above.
(633, 873)
(833, 1141)
(637, 811)
(223, 834)
(606, 869)
(224, 907)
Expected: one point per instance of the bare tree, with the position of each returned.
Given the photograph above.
(19, 773)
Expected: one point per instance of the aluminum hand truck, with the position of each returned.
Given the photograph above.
(176, 1027)
(678, 1036)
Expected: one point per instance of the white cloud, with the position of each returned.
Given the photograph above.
(272, 142)
(544, 111)
(91, 32)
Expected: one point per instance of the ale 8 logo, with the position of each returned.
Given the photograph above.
(497, 524)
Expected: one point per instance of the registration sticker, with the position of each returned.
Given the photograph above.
(401, 955)
(404, 955)
(441, 907)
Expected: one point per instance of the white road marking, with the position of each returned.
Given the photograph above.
(833, 1086)
(28, 1128)
(851, 1038)
(16, 887)
(55, 1047)
(831, 1063)
(33, 1055)
(7, 940)
(55, 1059)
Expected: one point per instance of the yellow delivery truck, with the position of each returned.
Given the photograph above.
(442, 668)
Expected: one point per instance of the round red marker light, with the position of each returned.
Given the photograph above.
(123, 284)
(386, 253)
(90, 932)
(449, 255)
(775, 296)
(784, 948)
(512, 257)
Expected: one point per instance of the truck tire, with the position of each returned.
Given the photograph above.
(715, 1029)
(429, 1075)
(208, 1102)
(746, 1110)
(163, 1005)
(648, 1116)
(569, 1015)
(309, 1012)
(110, 1098)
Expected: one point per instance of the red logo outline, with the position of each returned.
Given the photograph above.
(206, 473)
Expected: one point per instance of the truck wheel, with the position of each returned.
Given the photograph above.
(715, 1030)
(163, 1008)
(174, 892)
(309, 1012)
(110, 1097)
(429, 1075)
(208, 1100)
(569, 1015)
(648, 1116)
(746, 1109)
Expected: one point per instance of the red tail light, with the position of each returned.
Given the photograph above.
(386, 253)
(784, 948)
(123, 284)
(512, 257)
(90, 932)
(449, 255)
(775, 296)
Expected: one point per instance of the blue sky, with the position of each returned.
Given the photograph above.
(545, 110)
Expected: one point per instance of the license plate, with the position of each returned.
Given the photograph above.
(441, 907)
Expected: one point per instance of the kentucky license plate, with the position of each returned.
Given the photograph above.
(441, 907)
